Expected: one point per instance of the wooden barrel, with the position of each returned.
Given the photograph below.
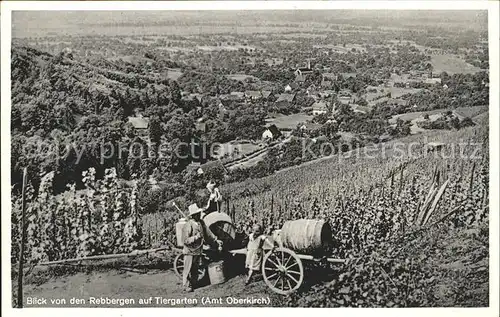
(216, 272)
(306, 235)
(222, 227)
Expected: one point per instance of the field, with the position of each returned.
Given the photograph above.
(242, 149)
(288, 122)
(174, 74)
(240, 77)
(461, 112)
(481, 119)
(250, 162)
(176, 49)
(470, 112)
(131, 59)
(224, 48)
(451, 65)
(396, 92)
(411, 116)
(342, 49)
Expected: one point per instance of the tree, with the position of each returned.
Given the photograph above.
(179, 127)
(321, 118)
(154, 129)
(466, 122)
(362, 102)
(454, 123)
(330, 129)
(175, 92)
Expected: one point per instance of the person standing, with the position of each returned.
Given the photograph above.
(194, 235)
(255, 251)
(213, 204)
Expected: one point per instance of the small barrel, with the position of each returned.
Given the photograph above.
(178, 231)
(216, 272)
(306, 235)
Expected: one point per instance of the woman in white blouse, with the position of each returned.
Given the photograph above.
(213, 204)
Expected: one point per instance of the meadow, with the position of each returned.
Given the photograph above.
(287, 122)
(452, 64)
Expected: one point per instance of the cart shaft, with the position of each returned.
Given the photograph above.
(311, 258)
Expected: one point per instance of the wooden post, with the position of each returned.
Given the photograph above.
(272, 204)
(401, 182)
(471, 183)
(23, 238)
(156, 228)
(434, 174)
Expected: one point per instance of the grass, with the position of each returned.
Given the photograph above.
(481, 119)
(132, 59)
(243, 148)
(290, 121)
(416, 117)
(471, 112)
(175, 49)
(411, 116)
(251, 162)
(396, 92)
(240, 77)
(224, 48)
(341, 48)
(452, 65)
(174, 75)
(479, 114)
(369, 96)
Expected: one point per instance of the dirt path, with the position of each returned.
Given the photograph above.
(115, 284)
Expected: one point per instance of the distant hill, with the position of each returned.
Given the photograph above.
(150, 22)
(42, 83)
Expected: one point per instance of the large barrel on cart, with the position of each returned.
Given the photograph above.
(306, 235)
(298, 240)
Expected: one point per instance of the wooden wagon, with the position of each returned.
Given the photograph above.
(282, 267)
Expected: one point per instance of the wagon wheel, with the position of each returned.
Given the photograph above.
(179, 267)
(282, 271)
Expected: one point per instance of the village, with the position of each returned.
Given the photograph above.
(315, 94)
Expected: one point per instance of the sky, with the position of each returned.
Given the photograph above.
(42, 23)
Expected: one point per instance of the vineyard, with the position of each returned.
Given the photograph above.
(389, 214)
(401, 221)
(104, 220)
